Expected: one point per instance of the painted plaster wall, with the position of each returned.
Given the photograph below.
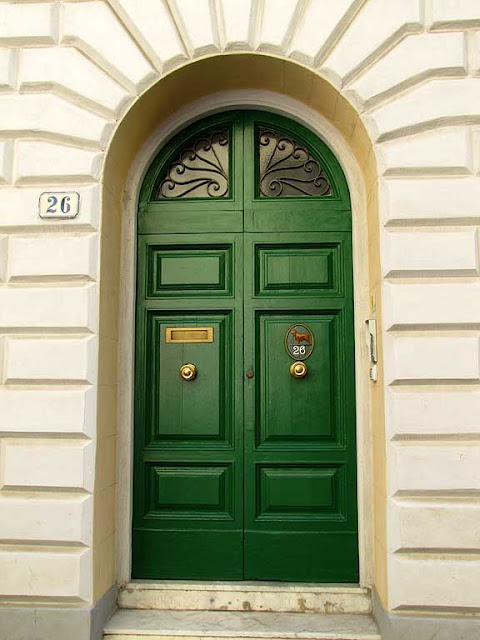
(68, 73)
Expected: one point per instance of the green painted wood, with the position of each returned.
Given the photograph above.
(332, 213)
(300, 461)
(240, 477)
(188, 436)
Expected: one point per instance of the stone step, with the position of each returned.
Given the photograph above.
(214, 625)
(245, 596)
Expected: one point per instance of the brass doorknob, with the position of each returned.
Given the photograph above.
(298, 369)
(188, 371)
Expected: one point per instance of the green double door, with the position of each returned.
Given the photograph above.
(245, 466)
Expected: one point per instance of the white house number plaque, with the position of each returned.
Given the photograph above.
(59, 204)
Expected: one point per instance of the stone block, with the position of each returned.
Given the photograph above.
(58, 359)
(73, 308)
(436, 200)
(276, 26)
(421, 305)
(44, 622)
(475, 52)
(444, 468)
(370, 34)
(413, 59)
(48, 411)
(442, 151)
(6, 161)
(39, 162)
(153, 27)
(451, 14)
(429, 253)
(53, 256)
(33, 463)
(321, 24)
(7, 68)
(437, 581)
(237, 23)
(25, 23)
(19, 209)
(95, 29)
(51, 115)
(425, 412)
(73, 74)
(433, 525)
(195, 22)
(430, 359)
(46, 573)
(448, 100)
(47, 518)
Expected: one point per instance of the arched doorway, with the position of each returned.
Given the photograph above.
(244, 467)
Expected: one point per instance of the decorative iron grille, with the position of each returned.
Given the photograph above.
(201, 171)
(287, 169)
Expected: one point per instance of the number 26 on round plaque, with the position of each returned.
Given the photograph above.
(299, 342)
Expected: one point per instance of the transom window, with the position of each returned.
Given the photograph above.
(285, 167)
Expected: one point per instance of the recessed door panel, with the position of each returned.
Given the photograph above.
(190, 491)
(183, 413)
(191, 271)
(293, 412)
(301, 270)
(300, 492)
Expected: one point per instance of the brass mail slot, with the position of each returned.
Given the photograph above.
(189, 334)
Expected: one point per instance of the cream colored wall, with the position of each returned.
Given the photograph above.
(73, 72)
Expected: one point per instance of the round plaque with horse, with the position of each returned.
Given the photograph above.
(299, 342)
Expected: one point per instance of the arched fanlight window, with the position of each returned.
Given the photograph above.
(285, 168)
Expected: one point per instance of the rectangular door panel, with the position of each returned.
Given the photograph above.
(293, 412)
(161, 219)
(274, 218)
(300, 492)
(309, 269)
(190, 491)
(185, 414)
(191, 270)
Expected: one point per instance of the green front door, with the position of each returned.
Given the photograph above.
(245, 464)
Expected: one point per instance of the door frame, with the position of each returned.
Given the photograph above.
(296, 111)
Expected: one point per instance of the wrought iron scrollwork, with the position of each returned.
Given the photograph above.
(288, 169)
(202, 170)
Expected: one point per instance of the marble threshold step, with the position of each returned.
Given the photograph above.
(245, 596)
(216, 625)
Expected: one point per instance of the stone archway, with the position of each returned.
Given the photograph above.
(226, 82)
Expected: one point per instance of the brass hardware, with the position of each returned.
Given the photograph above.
(250, 374)
(188, 371)
(188, 334)
(298, 369)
